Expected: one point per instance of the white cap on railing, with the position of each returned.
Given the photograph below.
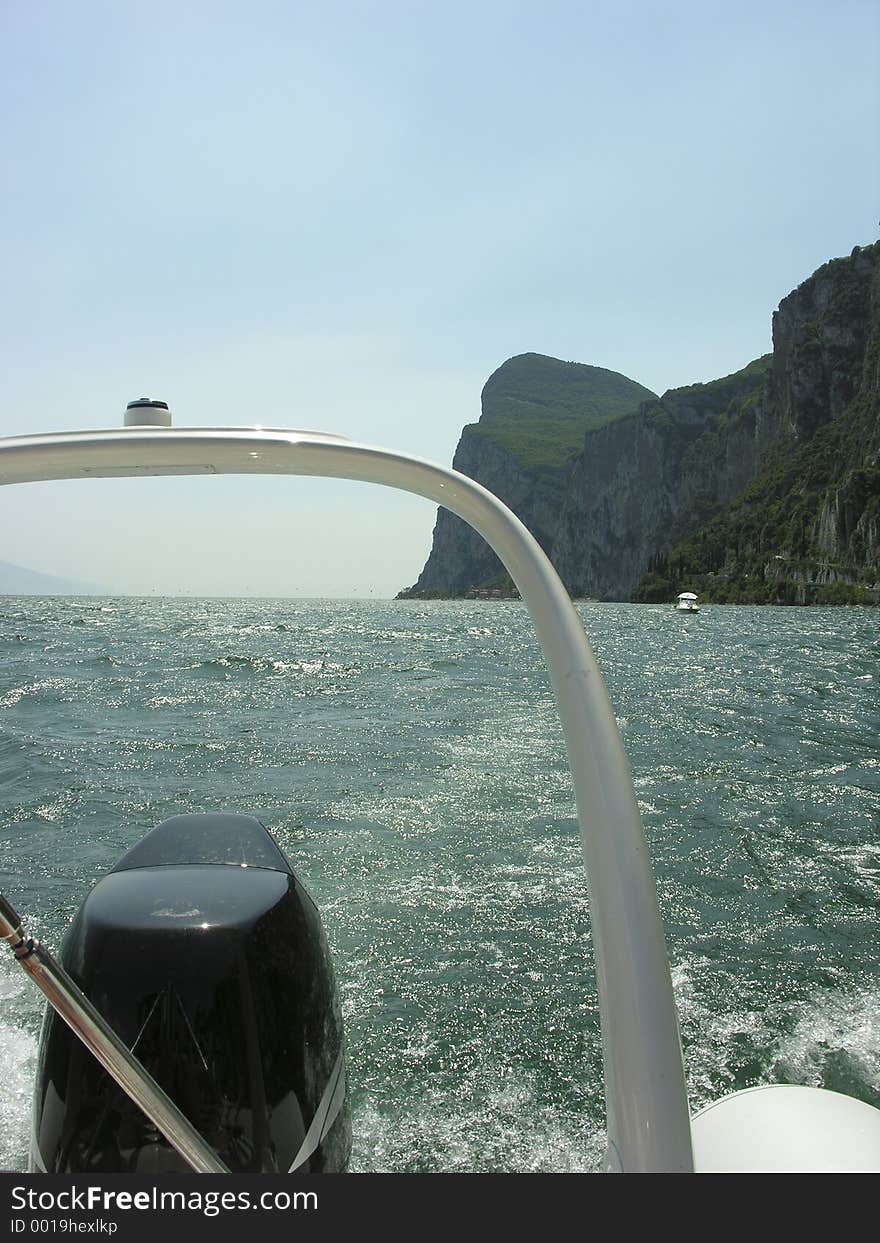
(147, 412)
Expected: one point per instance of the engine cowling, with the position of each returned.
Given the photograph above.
(208, 958)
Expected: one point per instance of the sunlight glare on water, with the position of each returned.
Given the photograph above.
(408, 758)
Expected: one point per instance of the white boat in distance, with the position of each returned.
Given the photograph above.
(687, 602)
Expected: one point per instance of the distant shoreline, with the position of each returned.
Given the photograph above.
(401, 599)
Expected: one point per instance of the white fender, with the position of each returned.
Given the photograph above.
(786, 1129)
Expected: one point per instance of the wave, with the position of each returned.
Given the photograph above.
(16, 693)
(232, 663)
(18, 1062)
(430, 812)
(491, 1119)
(835, 1044)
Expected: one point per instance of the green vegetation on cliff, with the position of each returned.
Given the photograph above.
(728, 412)
(718, 399)
(539, 409)
(763, 548)
(804, 530)
(762, 486)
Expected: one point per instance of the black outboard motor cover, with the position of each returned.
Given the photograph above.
(207, 957)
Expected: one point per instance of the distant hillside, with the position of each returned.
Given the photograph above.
(806, 527)
(762, 486)
(535, 414)
(15, 580)
(538, 409)
(643, 483)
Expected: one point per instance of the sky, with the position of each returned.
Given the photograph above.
(347, 215)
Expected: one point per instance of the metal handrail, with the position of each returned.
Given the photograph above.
(646, 1100)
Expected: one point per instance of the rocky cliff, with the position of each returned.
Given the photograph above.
(759, 486)
(804, 528)
(535, 414)
(638, 486)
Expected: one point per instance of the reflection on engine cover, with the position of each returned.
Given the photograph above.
(208, 958)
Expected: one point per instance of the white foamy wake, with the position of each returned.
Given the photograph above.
(500, 1127)
(18, 1059)
(835, 1044)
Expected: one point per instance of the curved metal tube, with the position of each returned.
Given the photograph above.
(646, 1098)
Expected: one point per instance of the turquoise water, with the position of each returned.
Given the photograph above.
(408, 759)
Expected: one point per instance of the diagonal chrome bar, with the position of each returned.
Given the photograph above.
(71, 1003)
(646, 1098)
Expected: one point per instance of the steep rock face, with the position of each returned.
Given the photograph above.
(805, 528)
(640, 481)
(848, 525)
(764, 485)
(643, 482)
(821, 333)
(535, 411)
(621, 497)
(461, 559)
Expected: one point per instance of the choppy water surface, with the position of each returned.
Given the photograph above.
(408, 759)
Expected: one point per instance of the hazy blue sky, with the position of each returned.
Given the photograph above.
(346, 215)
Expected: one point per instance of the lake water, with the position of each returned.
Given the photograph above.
(408, 759)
